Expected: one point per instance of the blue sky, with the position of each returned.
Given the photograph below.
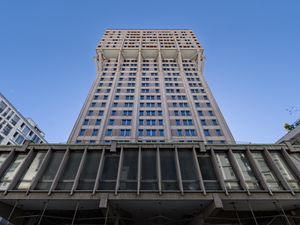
(252, 50)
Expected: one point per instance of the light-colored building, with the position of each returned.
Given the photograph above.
(150, 87)
(293, 136)
(14, 128)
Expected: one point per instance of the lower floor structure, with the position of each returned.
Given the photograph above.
(150, 184)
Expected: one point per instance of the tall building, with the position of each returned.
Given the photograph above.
(15, 129)
(150, 88)
(149, 95)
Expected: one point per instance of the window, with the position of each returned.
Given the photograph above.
(214, 122)
(20, 139)
(203, 122)
(68, 176)
(125, 132)
(141, 122)
(178, 122)
(85, 122)
(113, 112)
(2, 106)
(100, 113)
(266, 172)
(160, 122)
(218, 132)
(89, 171)
(48, 176)
(206, 132)
(187, 122)
(30, 174)
(127, 113)
(246, 170)
(168, 170)
(128, 179)
(108, 132)
(15, 120)
(188, 170)
(11, 171)
(141, 113)
(200, 113)
(126, 122)
(82, 132)
(128, 104)
(150, 132)
(111, 122)
(95, 132)
(285, 170)
(161, 132)
(149, 173)
(190, 132)
(228, 174)
(179, 133)
(140, 132)
(208, 173)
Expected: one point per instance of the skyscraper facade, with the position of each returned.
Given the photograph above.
(150, 88)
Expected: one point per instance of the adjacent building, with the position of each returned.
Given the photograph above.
(150, 87)
(293, 136)
(14, 128)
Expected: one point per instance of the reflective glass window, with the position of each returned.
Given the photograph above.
(265, 170)
(208, 173)
(246, 169)
(285, 170)
(66, 180)
(149, 173)
(168, 170)
(188, 170)
(110, 172)
(128, 178)
(89, 171)
(228, 174)
(52, 166)
(30, 174)
(11, 171)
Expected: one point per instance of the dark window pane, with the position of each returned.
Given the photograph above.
(208, 173)
(128, 179)
(50, 171)
(149, 174)
(67, 178)
(168, 170)
(89, 171)
(188, 170)
(110, 172)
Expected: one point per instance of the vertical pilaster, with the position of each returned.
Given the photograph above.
(164, 102)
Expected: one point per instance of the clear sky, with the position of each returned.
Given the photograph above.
(252, 50)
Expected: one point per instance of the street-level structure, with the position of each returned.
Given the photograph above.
(149, 184)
